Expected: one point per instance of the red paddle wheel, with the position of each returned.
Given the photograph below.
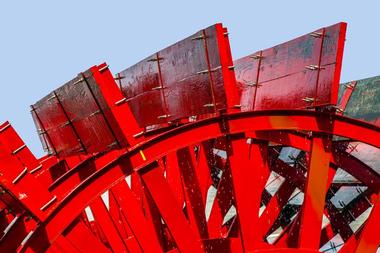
(188, 151)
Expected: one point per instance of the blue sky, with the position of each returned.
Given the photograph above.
(43, 44)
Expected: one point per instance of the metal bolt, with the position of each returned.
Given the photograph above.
(163, 116)
(308, 99)
(138, 134)
(36, 169)
(256, 57)
(48, 203)
(4, 128)
(200, 37)
(158, 88)
(103, 68)
(155, 59)
(316, 34)
(118, 77)
(18, 149)
(94, 113)
(78, 81)
(349, 86)
(313, 67)
(120, 101)
(20, 176)
(252, 84)
(52, 97)
(203, 71)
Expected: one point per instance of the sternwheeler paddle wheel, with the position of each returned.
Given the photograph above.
(189, 151)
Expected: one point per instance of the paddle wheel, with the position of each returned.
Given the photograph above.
(190, 151)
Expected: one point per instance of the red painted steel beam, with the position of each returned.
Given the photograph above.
(16, 177)
(341, 159)
(346, 97)
(83, 240)
(62, 245)
(133, 213)
(171, 211)
(195, 197)
(249, 163)
(116, 102)
(78, 181)
(116, 215)
(104, 219)
(290, 139)
(149, 209)
(223, 201)
(274, 207)
(315, 193)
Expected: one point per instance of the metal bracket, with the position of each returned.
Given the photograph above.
(22, 173)
(36, 169)
(118, 77)
(94, 113)
(316, 34)
(18, 149)
(10, 225)
(158, 88)
(338, 109)
(41, 131)
(207, 70)
(65, 124)
(200, 37)
(256, 57)
(52, 97)
(350, 86)
(308, 99)
(121, 101)
(155, 59)
(313, 67)
(4, 128)
(27, 237)
(103, 68)
(48, 203)
(78, 81)
(252, 84)
(138, 134)
(163, 116)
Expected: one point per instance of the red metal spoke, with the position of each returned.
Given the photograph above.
(195, 200)
(171, 211)
(133, 213)
(315, 193)
(81, 239)
(249, 166)
(63, 245)
(104, 219)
